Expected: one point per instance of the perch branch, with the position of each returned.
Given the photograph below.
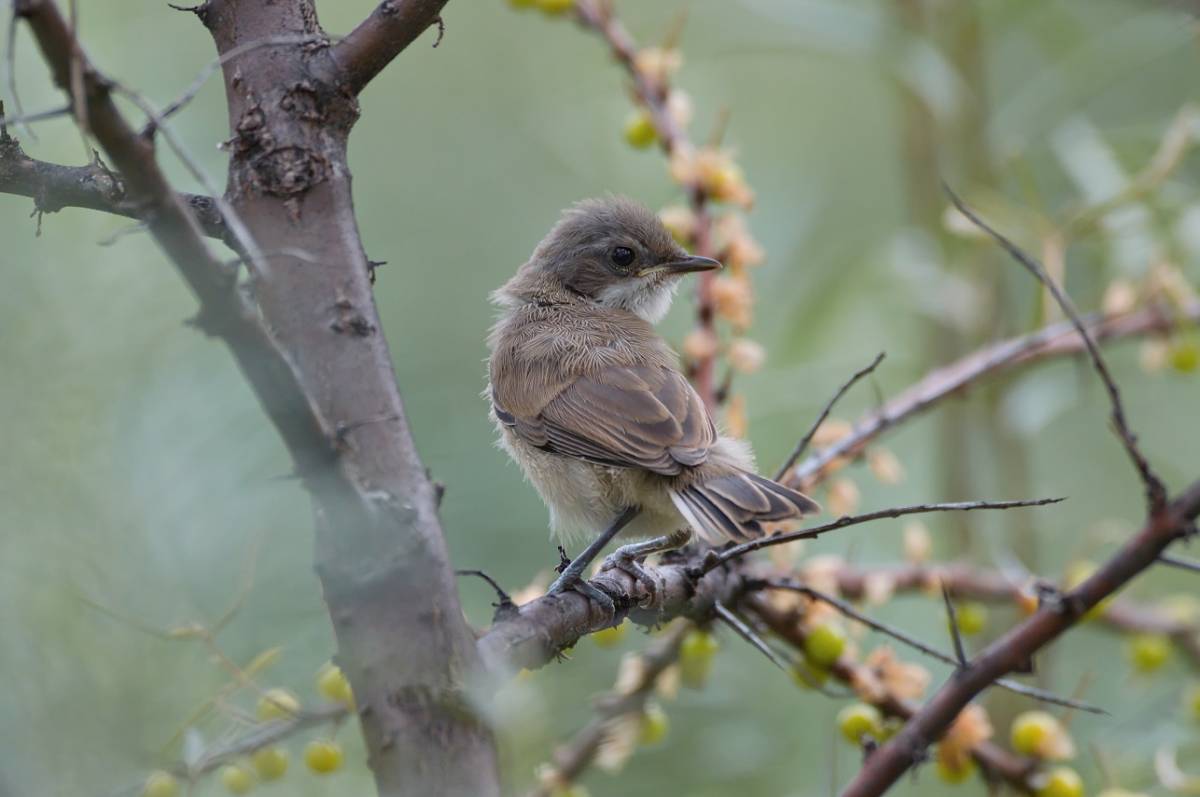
(391, 26)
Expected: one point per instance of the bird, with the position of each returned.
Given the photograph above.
(591, 402)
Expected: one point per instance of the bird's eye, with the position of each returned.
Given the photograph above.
(621, 256)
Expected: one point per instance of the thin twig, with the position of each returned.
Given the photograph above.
(960, 651)
(10, 74)
(841, 391)
(747, 633)
(901, 636)
(854, 520)
(1156, 491)
(1180, 562)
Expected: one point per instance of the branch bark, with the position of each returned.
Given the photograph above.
(392, 26)
(323, 373)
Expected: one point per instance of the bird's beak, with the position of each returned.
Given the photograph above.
(683, 266)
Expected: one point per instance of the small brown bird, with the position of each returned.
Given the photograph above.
(590, 401)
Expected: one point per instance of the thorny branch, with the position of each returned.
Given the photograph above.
(379, 38)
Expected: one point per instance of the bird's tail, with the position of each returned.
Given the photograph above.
(736, 505)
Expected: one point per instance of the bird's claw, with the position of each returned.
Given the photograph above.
(585, 588)
(627, 564)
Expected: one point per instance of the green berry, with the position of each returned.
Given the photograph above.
(972, 617)
(655, 725)
(640, 132)
(1148, 652)
(236, 778)
(323, 756)
(696, 654)
(1060, 782)
(161, 784)
(333, 684)
(522, 3)
(1184, 356)
(1030, 731)
(859, 720)
(807, 677)
(610, 637)
(824, 645)
(270, 763)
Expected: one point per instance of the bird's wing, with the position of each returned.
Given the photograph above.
(643, 416)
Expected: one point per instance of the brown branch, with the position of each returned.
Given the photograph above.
(53, 187)
(392, 26)
(1008, 653)
(1055, 340)
(995, 761)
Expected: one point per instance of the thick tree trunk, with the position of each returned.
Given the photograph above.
(381, 556)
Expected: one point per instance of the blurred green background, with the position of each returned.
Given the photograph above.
(138, 474)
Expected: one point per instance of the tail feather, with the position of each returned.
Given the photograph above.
(736, 505)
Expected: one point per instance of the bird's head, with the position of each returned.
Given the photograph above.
(615, 252)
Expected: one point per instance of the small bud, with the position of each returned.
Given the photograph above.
(831, 431)
(1153, 355)
(323, 756)
(746, 356)
(658, 63)
(732, 300)
(842, 497)
(918, 544)
(700, 344)
(640, 132)
(680, 221)
(277, 704)
(1120, 297)
(679, 107)
(735, 417)
(236, 778)
(885, 466)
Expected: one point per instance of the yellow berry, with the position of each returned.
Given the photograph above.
(1184, 356)
(1148, 652)
(323, 756)
(276, 704)
(972, 617)
(639, 131)
(1079, 572)
(954, 774)
(161, 784)
(696, 654)
(1060, 782)
(610, 637)
(655, 725)
(824, 645)
(270, 762)
(859, 720)
(333, 684)
(236, 778)
(522, 3)
(555, 6)
(1193, 702)
(1031, 730)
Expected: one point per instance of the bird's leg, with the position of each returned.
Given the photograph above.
(572, 576)
(629, 557)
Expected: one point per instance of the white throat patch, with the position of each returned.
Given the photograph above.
(649, 300)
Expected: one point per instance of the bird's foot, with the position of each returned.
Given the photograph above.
(628, 563)
(573, 581)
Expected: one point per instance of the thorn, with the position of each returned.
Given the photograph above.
(563, 560)
(505, 605)
(960, 652)
(441, 26)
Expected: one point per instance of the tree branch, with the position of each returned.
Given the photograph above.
(1006, 654)
(53, 187)
(392, 26)
(1055, 340)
